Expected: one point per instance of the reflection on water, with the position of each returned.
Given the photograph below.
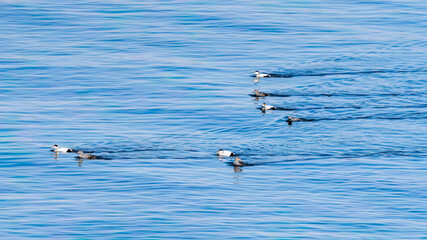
(79, 161)
(306, 73)
(237, 169)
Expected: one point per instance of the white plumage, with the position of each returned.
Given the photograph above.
(55, 148)
(268, 107)
(259, 75)
(223, 153)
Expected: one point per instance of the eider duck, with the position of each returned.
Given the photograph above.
(59, 149)
(85, 155)
(260, 94)
(260, 75)
(293, 119)
(238, 162)
(267, 107)
(223, 153)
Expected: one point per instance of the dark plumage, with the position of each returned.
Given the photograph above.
(290, 120)
(260, 94)
(86, 155)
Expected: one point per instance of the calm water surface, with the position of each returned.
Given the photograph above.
(158, 87)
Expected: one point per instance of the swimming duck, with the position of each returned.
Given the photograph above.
(293, 119)
(85, 155)
(238, 162)
(59, 149)
(261, 75)
(223, 153)
(260, 94)
(268, 107)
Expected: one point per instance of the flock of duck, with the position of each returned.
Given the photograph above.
(81, 155)
(266, 107)
(238, 162)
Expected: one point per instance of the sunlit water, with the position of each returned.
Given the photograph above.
(156, 88)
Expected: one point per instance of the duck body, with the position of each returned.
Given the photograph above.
(266, 107)
(290, 120)
(224, 153)
(238, 162)
(86, 155)
(259, 75)
(260, 94)
(56, 148)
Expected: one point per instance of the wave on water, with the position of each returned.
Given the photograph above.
(303, 73)
(258, 161)
(98, 157)
(344, 107)
(382, 116)
(310, 108)
(137, 149)
(336, 94)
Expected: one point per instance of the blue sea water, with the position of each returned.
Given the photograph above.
(157, 87)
